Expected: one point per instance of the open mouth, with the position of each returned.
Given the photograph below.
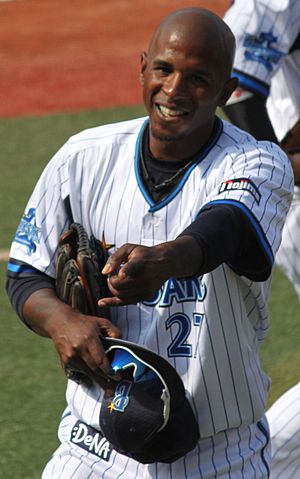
(168, 112)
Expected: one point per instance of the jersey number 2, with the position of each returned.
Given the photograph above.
(180, 345)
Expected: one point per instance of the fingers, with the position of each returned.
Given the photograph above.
(81, 349)
(119, 257)
(114, 301)
(130, 271)
(107, 328)
(78, 371)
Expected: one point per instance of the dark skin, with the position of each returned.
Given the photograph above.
(183, 82)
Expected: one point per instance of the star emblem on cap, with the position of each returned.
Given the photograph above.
(111, 406)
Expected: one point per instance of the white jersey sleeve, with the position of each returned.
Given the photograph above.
(45, 217)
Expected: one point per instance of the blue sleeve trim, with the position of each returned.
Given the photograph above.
(19, 268)
(254, 223)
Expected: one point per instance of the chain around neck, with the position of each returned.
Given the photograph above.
(166, 183)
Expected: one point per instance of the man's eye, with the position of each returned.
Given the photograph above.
(163, 69)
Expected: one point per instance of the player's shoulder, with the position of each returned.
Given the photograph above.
(238, 142)
(119, 132)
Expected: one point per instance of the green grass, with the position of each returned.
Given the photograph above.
(281, 352)
(31, 396)
(32, 392)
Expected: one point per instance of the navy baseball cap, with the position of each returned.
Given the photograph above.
(147, 417)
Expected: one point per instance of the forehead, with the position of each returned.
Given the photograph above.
(182, 45)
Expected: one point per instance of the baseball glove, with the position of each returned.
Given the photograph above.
(79, 281)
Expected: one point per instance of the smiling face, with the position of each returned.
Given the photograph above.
(184, 81)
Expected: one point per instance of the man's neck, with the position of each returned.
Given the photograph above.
(181, 148)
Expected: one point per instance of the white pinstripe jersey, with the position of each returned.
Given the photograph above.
(209, 328)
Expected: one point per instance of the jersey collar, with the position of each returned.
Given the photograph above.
(156, 206)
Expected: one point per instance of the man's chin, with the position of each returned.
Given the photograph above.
(167, 136)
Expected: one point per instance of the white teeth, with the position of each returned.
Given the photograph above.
(167, 112)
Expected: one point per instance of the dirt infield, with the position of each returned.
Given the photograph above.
(72, 55)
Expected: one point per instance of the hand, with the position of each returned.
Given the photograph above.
(77, 340)
(137, 272)
(77, 337)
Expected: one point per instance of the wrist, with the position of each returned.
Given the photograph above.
(183, 256)
(44, 312)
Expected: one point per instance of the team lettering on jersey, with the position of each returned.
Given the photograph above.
(180, 291)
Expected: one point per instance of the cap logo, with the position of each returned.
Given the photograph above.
(121, 398)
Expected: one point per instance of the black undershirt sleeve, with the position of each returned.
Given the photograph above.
(225, 235)
(19, 288)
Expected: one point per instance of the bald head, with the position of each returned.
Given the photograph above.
(200, 26)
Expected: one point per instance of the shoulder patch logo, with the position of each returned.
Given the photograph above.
(241, 184)
(28, 233)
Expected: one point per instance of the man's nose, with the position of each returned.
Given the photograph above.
(174, 84)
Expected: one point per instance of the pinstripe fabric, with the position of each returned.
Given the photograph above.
(284, 419)
(209, 328)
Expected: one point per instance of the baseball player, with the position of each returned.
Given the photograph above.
(267, 102)
(194, 208)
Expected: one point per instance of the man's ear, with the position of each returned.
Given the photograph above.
(143, 66)
(229, 87)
